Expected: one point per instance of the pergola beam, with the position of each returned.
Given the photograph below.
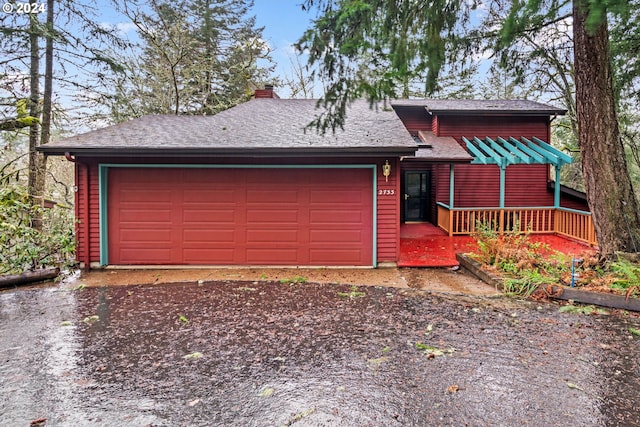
(524, 157)
(503, 152)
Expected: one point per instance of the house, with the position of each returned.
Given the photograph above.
(253, 185)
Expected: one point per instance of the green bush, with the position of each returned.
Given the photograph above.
(26, 248)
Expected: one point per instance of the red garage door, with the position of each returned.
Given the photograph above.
(240, 216)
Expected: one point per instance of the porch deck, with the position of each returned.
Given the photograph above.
(426, 245)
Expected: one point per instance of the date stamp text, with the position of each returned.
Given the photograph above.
(21, 8)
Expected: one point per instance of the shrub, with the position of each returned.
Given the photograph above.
(26, 248)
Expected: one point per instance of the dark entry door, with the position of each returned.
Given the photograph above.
(416, 195)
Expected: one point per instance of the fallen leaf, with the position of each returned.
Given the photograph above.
(195, 355)
(574, 386)
(194, 402)
(266, 392)
(91, 319)
(453, 388)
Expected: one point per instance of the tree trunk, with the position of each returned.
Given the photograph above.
(34, 111)
(609, 190)
(46, 101)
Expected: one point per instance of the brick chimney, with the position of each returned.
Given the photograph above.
(267, 92)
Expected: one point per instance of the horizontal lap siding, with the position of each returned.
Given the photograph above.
(80, 210)
(414, 119)
(388, 210)
(571, 203)
(388, 223)
(479, 185)
(527, 186)
(87, 206)
(493, 127)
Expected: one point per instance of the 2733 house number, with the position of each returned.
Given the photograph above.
(386, 192)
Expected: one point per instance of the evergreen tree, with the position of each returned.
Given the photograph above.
(410, 37)
(195, 57)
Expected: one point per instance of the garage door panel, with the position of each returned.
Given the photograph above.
(272, 256)
(149, 235)
(210, 236)
(272, 197)
(336, 216)
(271, 236)
(273, 216)
(335, 196)
(245, 216)
(145, 215)
(145, 195)
(332, 256)
(207, 194)
(335, 237)
(211, 215)
(210, 256)
(146, 256)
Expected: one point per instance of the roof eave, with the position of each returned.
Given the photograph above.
(438, 159)
(225, 152)
(497, 112)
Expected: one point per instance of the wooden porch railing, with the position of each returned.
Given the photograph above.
(537, 220)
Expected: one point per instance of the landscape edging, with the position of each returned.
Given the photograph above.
(555, 291)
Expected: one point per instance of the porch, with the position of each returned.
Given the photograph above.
(430, 245)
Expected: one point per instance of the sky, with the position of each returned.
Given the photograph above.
(284, 22)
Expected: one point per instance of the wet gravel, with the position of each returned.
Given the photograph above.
(273, 354)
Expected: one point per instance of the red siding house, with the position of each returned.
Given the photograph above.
(253, 185)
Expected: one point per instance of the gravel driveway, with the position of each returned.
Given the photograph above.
(264, 353)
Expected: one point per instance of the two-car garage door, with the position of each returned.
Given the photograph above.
(251, 216)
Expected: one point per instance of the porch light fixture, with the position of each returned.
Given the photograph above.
(386, 170)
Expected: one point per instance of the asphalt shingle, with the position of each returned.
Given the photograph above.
(260, 124)
(481, 106)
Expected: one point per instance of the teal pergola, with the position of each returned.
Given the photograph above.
(511, 151)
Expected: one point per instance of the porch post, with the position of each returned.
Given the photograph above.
(556, 189)
(502, 185)
(451, 185)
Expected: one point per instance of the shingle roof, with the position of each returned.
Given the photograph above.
(440, 149)
(260, 126)
(481, 106)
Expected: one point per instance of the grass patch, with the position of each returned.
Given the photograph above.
(294, 280)
(355, 293)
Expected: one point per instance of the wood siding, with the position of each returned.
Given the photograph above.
(388, 201)
(479, 185)
(414, 119)
(388, 205)
(457, 127)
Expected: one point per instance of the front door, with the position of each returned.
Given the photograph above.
(416, 195)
